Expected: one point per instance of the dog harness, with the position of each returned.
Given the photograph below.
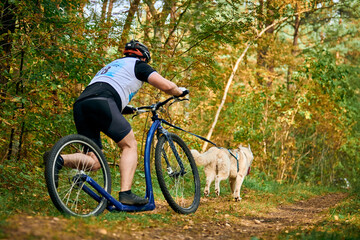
(236, 158)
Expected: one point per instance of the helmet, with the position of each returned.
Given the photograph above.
(135, 48)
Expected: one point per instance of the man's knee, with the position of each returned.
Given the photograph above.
(132, 143)
(128, 141)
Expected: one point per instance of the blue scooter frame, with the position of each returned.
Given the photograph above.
(72, 188)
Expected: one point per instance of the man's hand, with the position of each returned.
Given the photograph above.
(128, 110)
(184, 92)
(164, 85)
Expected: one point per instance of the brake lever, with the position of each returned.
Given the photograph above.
(162, 109)
(135, 115)
(184, 99)
(178, 100)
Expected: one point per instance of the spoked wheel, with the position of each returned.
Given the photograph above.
(66, 183)
(179, 185)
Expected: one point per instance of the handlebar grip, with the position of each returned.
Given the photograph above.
(143, 107)
(185, 92)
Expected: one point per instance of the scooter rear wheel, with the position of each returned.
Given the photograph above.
(65, 185)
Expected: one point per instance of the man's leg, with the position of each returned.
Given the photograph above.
(127, 165)
(128, 161)
(81, 161)
(87, 162)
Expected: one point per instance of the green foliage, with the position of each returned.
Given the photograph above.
(23, 190)
(297, 103)
(47, 77)
(334, 81)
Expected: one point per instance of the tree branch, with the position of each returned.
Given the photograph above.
(248, 44)
(177, 23)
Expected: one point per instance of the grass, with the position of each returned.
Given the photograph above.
(258, 188)
(23, 192)
(343, 222)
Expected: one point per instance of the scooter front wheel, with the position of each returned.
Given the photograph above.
(179, 180)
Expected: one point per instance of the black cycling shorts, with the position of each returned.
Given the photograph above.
(100, 114)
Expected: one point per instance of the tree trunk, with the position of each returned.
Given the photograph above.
(266, 19)
(260, 51)
(103, 10)
(225, 94)
(11, 141)
(7, 28)
(156, 20)
(109, 13)
(159, 19)
(174, 24)
(19, 89)
(21, 140)
(293, 51)
(134, 6)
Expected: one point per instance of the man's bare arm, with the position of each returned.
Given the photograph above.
(164, 85)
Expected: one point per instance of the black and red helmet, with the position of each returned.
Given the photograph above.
(135, 48)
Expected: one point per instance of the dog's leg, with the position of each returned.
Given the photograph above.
(221, 175)
(209, 179)
(217, 185)
(239, 182)
(232, 184)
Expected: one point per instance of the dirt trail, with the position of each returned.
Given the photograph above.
(302, 214)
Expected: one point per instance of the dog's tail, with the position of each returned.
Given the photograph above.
(199, 158)
(252, 155)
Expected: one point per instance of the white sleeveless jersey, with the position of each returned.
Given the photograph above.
(120, 74)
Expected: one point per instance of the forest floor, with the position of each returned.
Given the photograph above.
(217, 218)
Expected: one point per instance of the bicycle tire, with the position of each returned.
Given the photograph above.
(65, 188)
(182, 192)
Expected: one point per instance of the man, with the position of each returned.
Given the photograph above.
(102, 104)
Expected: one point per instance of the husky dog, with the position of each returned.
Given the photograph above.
(220, 164)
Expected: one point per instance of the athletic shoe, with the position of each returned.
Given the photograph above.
(58, 166)
(131, 199)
